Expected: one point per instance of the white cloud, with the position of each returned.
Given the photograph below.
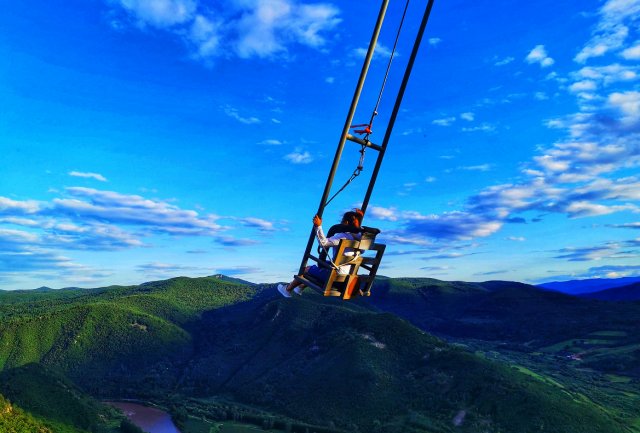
(539, 55)
(256, 28)
(582, 86)
(206, 35)
(267, 26)
(380, 52)
(612, 29)
(271, 142)
(628, 103)
(299, 157)
(632, 53)
(381, 213)
(259, 223)
(95, 176)
(485, 127)
(608, 74)
(482, 167)
(434, 41)
(115, 208)
(452, 225)
(504, 61)
(234, 114)
(447, 121)
(160, 13)
(9, 206)
(468, 116)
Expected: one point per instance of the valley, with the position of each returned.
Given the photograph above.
(420, 355)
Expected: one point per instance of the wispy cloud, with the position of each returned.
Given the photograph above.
(299, 157)
(481, 167)
(17, 207)
(97, 220)
(611, 271)
(539, 55)
(160, 13)
(632, 53)
(380, 52)
(271, 142)
(259, 223)
(159, 269)
(626, 226)
(234, 114)
(238, 271)
(389, 214)
(612, 250)
(612, 29)
(485, 127)
(468, 116)
(230, 241)
(117, 208)
(445, 121)
(245, 29)
(504, 61)
(88, 175)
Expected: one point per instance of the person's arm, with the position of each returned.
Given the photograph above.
(324, 241)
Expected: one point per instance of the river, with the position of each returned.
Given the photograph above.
(149, 419)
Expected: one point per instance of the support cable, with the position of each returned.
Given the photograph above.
(367, 126)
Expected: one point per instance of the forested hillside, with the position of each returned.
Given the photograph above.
(213, 348)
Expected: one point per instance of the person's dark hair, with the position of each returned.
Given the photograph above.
(352, 218)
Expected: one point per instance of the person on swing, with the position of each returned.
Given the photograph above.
(349, 228)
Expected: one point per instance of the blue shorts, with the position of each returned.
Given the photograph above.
(319, 273)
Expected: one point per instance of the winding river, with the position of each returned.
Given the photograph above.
(149, 419)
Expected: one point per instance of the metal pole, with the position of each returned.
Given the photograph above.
(347, 125)
(396, 107)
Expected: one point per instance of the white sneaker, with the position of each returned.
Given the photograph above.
(283, 291)
(298, 291)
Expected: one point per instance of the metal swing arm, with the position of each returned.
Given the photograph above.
(347, 125)
(345, 132)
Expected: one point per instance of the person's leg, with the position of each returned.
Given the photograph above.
(319, 273)
(286, 290)
(295, 283)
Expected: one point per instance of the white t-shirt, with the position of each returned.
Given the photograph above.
(333, 241)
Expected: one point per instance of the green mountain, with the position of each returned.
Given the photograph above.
(51, 397)
(212, 347)
(589, 333)
(15, 420)
(499, 311)
(322, 361)
(116, 330)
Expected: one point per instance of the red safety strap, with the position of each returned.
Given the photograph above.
(366, 130)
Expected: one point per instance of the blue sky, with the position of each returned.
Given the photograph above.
(146, 139)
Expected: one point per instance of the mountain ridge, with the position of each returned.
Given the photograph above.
(578, 287)
(304, 357)
(630, 292)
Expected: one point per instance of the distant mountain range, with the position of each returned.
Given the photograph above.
(579, 287)
(630, 292)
